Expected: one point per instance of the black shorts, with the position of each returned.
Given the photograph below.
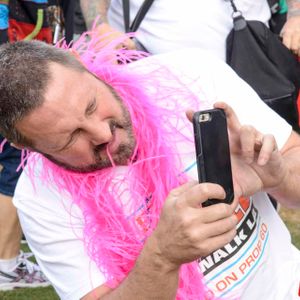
(10, 159)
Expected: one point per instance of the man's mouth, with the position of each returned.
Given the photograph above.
(112, 146)
(114, 143)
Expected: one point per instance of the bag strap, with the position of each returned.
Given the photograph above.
(139, 16)
(126, 15)
(239, 22)
(234, 8)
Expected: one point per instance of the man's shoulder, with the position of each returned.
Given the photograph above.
(188, 57)
(35, 196)
(192, 63)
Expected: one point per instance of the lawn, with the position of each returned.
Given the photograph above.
(290, 217)
(292, 221)
(30, 294)
(47, 293)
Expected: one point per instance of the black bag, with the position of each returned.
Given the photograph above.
(259, 57)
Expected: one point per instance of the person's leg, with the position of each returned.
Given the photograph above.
(16, 270)
(10, 230)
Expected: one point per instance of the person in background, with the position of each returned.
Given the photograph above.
(24, 20)
(170, 25)
(108, 201)
(290, 32)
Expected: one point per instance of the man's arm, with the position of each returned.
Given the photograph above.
(184, 233)
(94, 8)
(293, 8)
(288, 192)
(290, 32)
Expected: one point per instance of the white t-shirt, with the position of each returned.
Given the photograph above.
(174, 24)
(260, 263)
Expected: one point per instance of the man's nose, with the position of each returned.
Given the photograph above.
(100, 133)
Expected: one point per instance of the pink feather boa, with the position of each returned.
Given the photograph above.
(121, 205)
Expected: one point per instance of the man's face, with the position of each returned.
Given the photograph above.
(79, 123)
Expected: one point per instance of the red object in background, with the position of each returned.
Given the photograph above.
(19, 30)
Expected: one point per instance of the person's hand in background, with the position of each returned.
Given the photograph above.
(290, 34)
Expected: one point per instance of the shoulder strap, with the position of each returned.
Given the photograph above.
(126, 15)
(139, 16)
(234, 8)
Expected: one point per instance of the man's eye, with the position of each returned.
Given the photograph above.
(72, 139)
(91, 108)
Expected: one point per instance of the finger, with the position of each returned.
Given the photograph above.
(199, 193)
(125, 45)
(247, 141)
(215, 213)
(129, 44)
(235, 202)
(232, 119)
(268, 147)
(238, 192)
(216, 242)
(219, 227)
(183, 188)
(190, 113)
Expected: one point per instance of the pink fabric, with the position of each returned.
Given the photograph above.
(121, 205)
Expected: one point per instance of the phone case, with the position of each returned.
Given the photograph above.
(212, 151)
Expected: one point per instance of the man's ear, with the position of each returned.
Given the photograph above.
(17, 146)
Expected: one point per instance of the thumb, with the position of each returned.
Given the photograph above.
(233, 122)
(189, 114)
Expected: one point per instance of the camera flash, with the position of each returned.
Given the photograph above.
(204, 117)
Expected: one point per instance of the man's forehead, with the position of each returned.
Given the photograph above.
(62, 96)
(56, 68)
(64, 79)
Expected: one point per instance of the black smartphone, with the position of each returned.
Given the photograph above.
(212, 151)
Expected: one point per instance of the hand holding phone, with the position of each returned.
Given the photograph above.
(212, 151)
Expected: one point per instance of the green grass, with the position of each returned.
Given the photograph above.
(290, 217)
(44, 293)
(47, 293)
